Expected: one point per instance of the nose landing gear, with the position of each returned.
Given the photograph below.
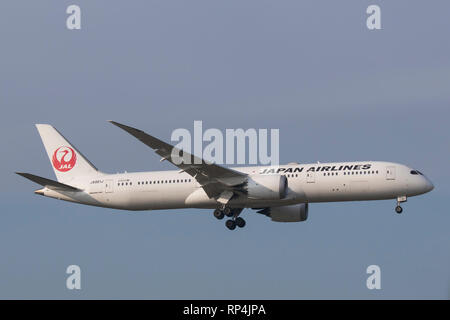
(398, 208)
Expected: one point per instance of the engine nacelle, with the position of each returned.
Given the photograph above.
(294, 213)
(267, 187)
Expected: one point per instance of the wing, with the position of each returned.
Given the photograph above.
(51, 184)
(218, 182)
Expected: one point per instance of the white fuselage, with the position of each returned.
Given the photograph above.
(307, 183)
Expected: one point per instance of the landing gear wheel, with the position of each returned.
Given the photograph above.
(398, 209)
(228, 212)
(230, 224)
(240, 222)
(218, 214)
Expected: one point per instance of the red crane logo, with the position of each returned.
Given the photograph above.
(64, 159)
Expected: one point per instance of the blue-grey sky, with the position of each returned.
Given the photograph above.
(336, 91)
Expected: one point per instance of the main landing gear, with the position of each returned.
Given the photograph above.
(219, 214)
(398, 208)
(232, 223)
(233, 214)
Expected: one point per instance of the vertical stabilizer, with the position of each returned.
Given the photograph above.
(66, 160)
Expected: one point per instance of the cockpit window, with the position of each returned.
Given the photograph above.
(416, 172)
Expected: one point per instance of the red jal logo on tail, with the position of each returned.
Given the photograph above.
(64, 159)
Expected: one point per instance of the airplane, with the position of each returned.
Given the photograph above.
(282, 192)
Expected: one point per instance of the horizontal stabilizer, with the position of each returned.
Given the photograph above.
(51, 184)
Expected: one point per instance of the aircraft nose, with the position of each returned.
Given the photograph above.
(428, 185)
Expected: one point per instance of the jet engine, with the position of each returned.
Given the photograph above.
(267, 187)
(294, 213)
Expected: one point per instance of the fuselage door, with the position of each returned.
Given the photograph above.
(390, 173)
(109, 186)
(310, 177)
